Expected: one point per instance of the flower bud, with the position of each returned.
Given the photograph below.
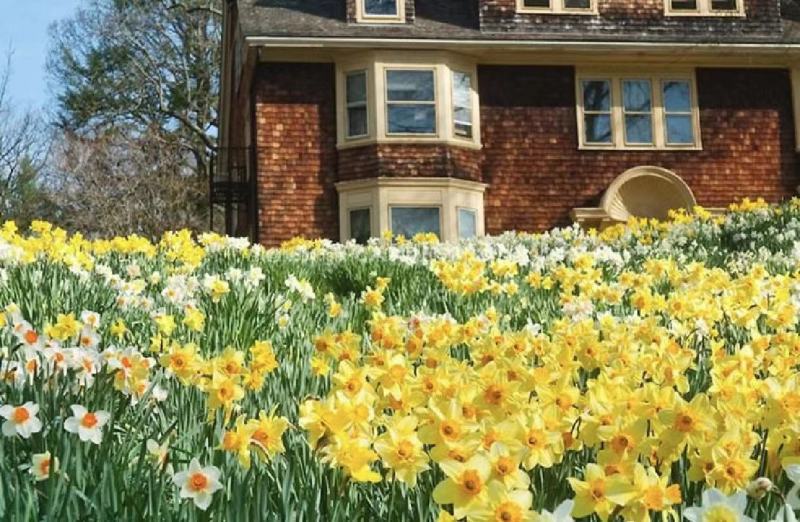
(759, 487)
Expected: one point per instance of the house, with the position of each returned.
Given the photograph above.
(347, 118)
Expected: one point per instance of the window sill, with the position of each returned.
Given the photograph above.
(689, 14)
(408, 140)
(611, 148)
(568, 12)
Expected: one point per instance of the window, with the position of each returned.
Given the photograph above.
(467, 223)
(360, 225)
(357, 104)
(575, 7)
(380, 11)
(597, 110)
(404, 97)
(652, 111)
(448, 207)
(677, 95)
(462, 104)
(410, 102)
(637, 107)
(410, 221)
(704, 7)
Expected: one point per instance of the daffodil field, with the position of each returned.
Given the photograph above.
(646, 372)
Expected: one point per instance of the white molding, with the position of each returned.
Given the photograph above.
(384, 193)
(558, 7)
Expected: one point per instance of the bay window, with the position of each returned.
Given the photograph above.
(637, 111)
(448, 207)
(397, 97)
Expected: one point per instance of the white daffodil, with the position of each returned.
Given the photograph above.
(560, 514)
(42, 464)
(793, 472)
(21, 420)
(198, 483)
(718, 506)
(785, 514)
(88, 425)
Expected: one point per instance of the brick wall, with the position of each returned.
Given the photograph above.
(409, 161)
(536, 174)
(643, 18)
(296, 151)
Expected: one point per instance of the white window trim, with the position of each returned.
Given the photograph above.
(704, 9)
(558, 7)
(376, 63)
(383, 194)
(364, 18)
(656, 77)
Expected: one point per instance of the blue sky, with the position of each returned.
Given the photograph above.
(23, 26)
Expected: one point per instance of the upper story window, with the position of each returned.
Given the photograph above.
(704, 7)
(410, 101)
(637, 111)
(380, 11)
(391, 97)
(575, 7)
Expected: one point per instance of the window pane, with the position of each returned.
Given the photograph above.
(537, 3)
(412, 119)
(598, 128)
(636, 95)
(723, 5)
(467, 223)
(409, 85)
(360, 228)
(577, 4)
(638, 129)
(412, 221)
(380, 7)
(684, 5)
(677, 96)
(680, 130)
(462, 104)
(356, 121)
(597, 95)
(357, 87)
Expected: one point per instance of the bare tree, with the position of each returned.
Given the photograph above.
(23, 152)
(139, 65)
(118, 184)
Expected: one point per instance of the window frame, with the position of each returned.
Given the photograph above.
(704, 8)
(349, 223)
(474, 212)
(454, 121)
(435, 103)
(626, 113)
(558, 7)
(355, 105)
(363, 17)
(657, 78)
(422, 206)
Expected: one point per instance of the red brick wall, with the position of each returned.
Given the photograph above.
(296, 151)
(536, 174)
(644, 18)
(409, 161)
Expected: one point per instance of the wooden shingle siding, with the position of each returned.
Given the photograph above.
(634, 17)
(536, 174)
(296, 151)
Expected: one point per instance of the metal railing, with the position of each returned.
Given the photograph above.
(232, 192)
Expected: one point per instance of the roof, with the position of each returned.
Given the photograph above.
(460, 20)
